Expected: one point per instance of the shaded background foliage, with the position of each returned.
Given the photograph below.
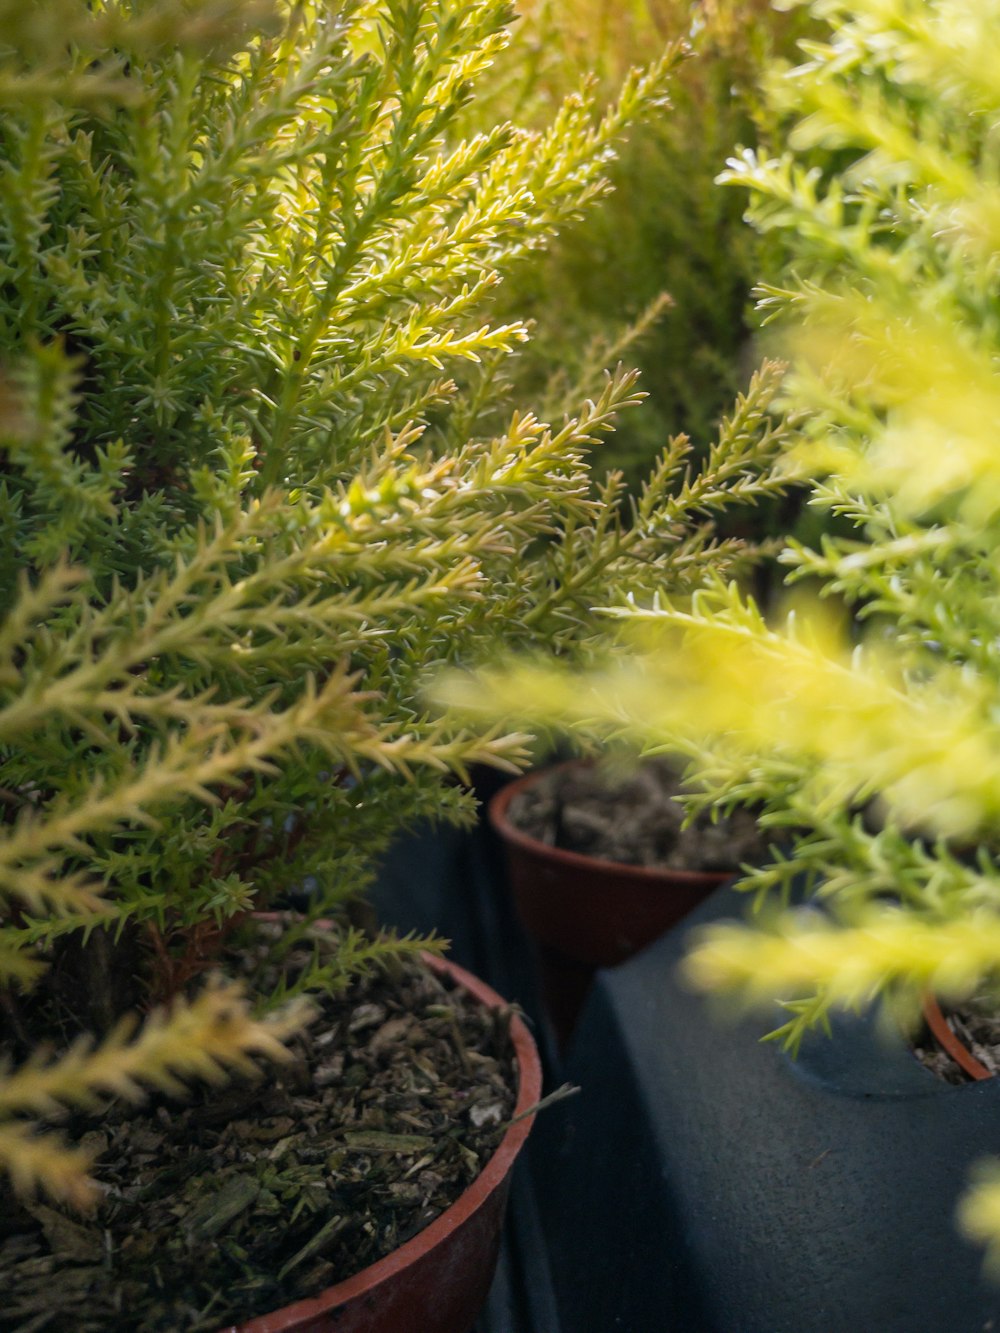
(265, 469)
(661, 271)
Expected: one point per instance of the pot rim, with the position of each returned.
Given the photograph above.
(499, 804)
(289, 1317)
(948, 1041)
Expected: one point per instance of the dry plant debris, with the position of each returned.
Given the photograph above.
(977, 1026)
(633, 819)
(252, 1198)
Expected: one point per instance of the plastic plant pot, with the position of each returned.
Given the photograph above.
(436, 1282)
(584, 912)
(949, 1042)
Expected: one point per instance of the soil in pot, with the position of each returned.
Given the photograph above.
(239, 1202)
(633, 819)
(976, 1027)
(600, 866)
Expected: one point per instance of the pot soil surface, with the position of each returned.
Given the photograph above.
(634, 819)
(977, 1026)
(238, 1202)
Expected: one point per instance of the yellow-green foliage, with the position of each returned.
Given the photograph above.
(663, 268)
(869, 733)
(246, 255)
(200, 1039)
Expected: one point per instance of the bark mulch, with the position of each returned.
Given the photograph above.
(237, 1202)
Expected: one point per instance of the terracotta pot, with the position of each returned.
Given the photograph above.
(436, 1282)
(947, 1040)
(587, 913)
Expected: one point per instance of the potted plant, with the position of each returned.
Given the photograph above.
(260, 475)
(864, 723)
(601, 862)
(665, 226)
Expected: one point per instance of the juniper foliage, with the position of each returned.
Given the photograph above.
(865, 725)
(661, 271)
(259, 477)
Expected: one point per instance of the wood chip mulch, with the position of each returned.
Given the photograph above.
(978, 1029)
(237, 1203)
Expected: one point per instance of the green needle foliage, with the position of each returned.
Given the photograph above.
(869, 733)
(661, 272)
(260, 475)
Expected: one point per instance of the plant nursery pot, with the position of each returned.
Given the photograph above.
(585, 912)
(949, 1042)
(437, 1281)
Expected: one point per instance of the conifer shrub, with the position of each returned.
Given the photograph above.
(863, 722)
(661, 271)
(260, 476)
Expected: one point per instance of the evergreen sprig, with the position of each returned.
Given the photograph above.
(260, 478)
(864, 727)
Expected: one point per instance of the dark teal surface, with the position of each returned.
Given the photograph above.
(706, 1183)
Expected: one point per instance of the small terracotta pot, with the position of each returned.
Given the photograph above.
(436, 1282)
(947, 1040)
(587, 913)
